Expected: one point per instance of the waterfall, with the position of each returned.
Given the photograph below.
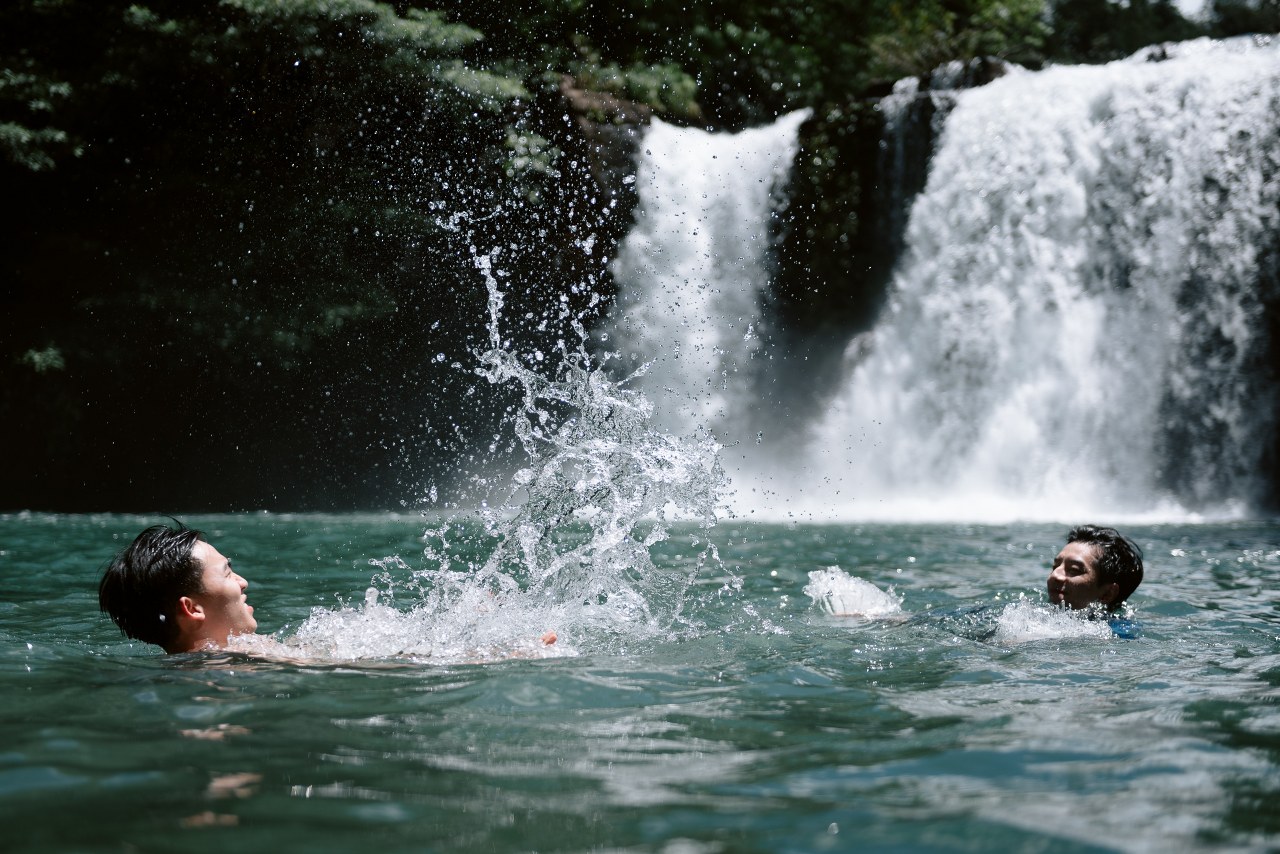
(691, 272)
(1079, 321)
(1082, 321)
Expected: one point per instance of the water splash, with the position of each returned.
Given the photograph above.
(422, 616)
(839, 594)
(1025, 621)
(564, 544)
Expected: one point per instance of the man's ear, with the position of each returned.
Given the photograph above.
(190, 617)
(189, 609)
(1109, 593)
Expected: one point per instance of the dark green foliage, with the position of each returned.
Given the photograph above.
(1239, 17)
(243, 239)
(1103, 30)
(924, 35)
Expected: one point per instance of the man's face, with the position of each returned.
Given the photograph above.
(1074, 581)
(221, 596)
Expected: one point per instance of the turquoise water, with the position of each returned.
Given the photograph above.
(740, 718)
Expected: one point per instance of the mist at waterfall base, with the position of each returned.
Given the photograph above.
(1081, 324)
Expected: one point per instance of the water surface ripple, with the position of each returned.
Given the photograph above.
(756, 723)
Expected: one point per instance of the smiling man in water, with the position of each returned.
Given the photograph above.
(171, 588)
(1097, 566)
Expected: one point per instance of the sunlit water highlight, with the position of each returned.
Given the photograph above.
(761, 724)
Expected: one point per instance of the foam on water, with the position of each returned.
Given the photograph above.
(1024, 621)
(839, 594)
(447, 624)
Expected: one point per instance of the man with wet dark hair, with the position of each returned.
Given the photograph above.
(171, 588)
(1097, 566)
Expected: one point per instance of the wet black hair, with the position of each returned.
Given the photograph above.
(1119, 561)
(141, 587)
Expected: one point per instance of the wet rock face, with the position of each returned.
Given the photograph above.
(841, 229)
(609, 129)
(599, 135)
(603, 106)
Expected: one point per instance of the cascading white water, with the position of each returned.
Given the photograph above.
(691, 271)
(1077, 325)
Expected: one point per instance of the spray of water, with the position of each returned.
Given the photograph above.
(565, 544)
(1025, 621)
